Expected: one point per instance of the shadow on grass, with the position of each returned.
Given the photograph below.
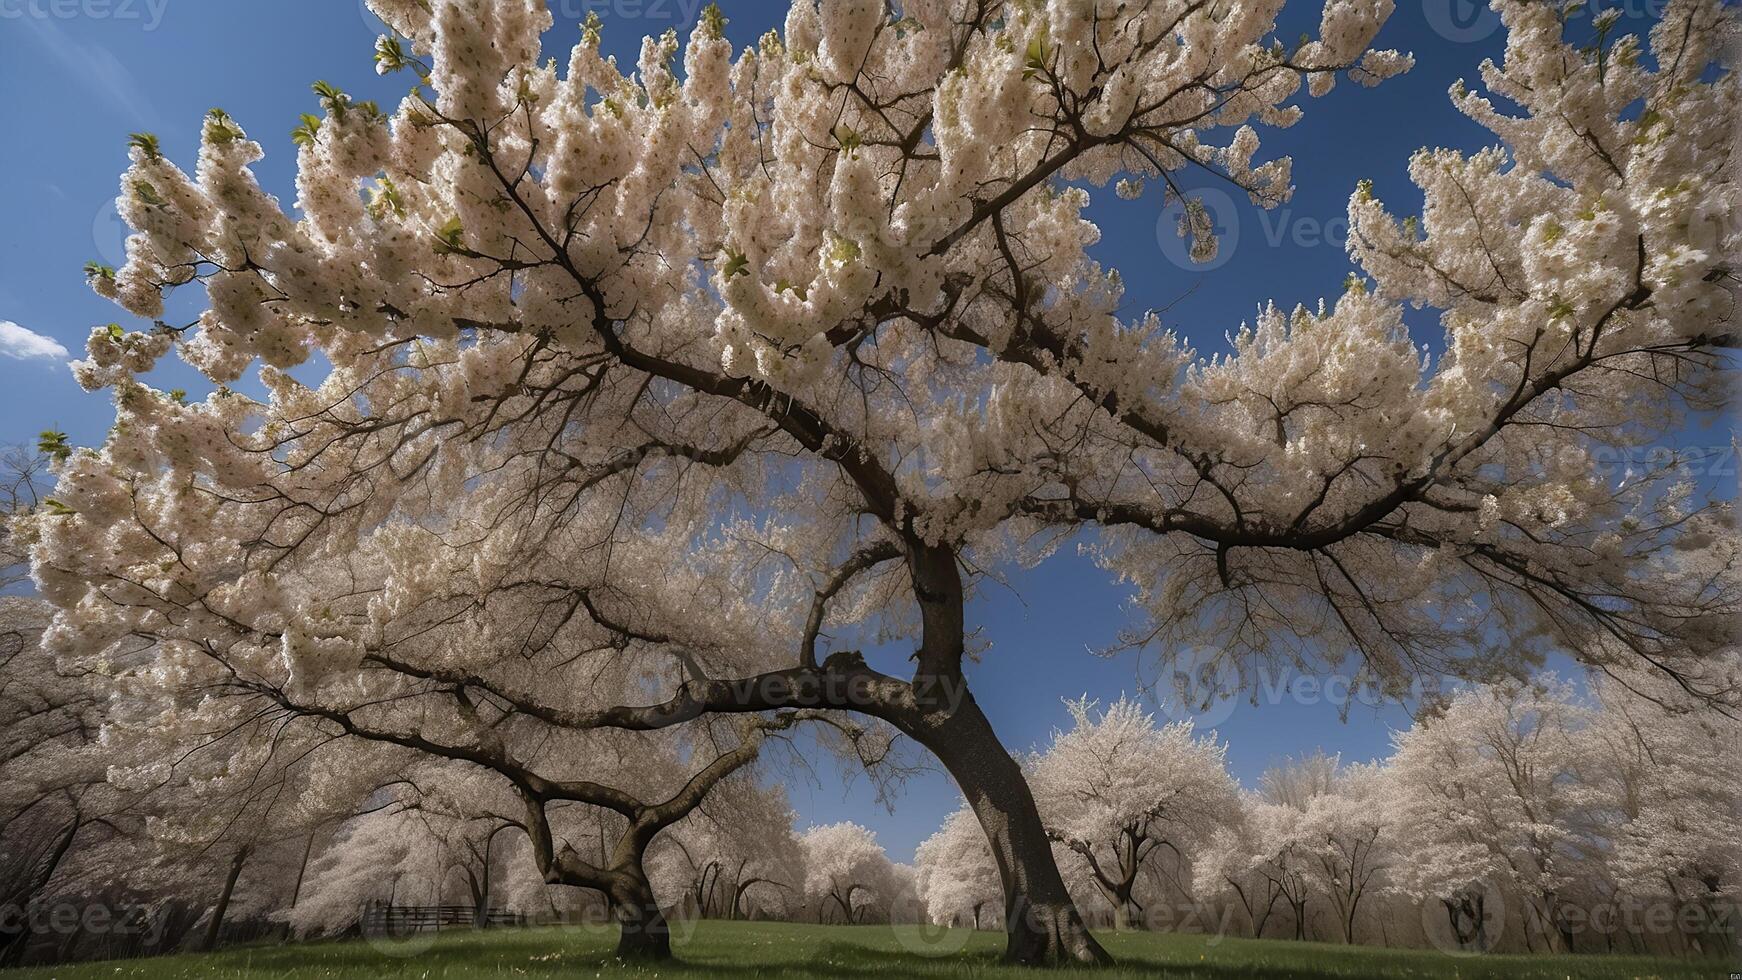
(792, 952)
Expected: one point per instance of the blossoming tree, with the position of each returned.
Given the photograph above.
(833, 298)
(22, 475)
(737, 853)
(440, 829)
(1120, 794)
(1677, 832)
(957, 878)
(846, 872)
(1494, 791)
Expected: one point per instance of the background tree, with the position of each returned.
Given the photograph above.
(1494, 790)
(847, 873)
(735, 854)
(957, 878)
(55, 804)
(23, 486)
(1350, 830)
(1661, 765)
(1227, 869)
(1116, 790)
(442, 834)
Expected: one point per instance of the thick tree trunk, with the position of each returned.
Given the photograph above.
(210, 941)
(645, 934)
(1041, 921)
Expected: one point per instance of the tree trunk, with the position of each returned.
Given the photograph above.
(481, 915)
(210, 941)
(1041, 921)
(302, 870)
(1126, 912)
(1121, 912)
(14, 942)
(645, 934)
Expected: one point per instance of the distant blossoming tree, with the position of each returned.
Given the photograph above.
(1120, 793)
(1665, 770)
(1495, 791)
(957, 878)
(735, 854)
(815, 330)
(846, 872)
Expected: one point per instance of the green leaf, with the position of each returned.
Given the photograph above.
(97, 270)
(450, 237)
(115, 331)
(713, 22)
(221, 129)
(304, 134)
(53, 442)
(384, 197)
(148, 193)
(843, 250)
(737, 264)
(1038, 54)
(333, 99)
(146, 143)
(390, 54)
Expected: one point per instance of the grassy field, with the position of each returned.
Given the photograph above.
(741, 949)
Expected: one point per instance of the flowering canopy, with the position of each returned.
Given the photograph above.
(670, 361)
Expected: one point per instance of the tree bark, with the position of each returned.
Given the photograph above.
(738, 908)
(1041, 923)
(645, 935)
(210, 941)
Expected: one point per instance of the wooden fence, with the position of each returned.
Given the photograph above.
(381, 919)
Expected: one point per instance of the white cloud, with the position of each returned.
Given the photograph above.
(17, 342)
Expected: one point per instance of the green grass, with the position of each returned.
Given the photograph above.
(742, 949)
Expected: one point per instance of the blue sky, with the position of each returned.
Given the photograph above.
(79, 75)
